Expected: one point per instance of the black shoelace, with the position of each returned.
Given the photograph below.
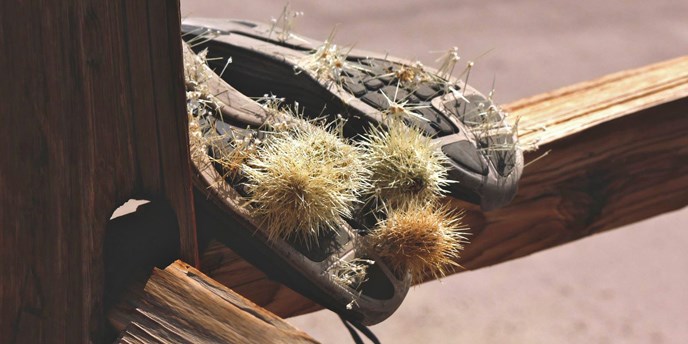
(352, 326)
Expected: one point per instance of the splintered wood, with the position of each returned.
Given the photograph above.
(182, 305)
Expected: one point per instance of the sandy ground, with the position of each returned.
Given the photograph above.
(625, 286)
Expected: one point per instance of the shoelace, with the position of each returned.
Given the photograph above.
(352, 326)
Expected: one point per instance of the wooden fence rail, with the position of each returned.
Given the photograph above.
(618, 154)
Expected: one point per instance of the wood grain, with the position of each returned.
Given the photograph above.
(182, 305)
(93, 114)
(616, 173)
(228, 268)
(619, 154)
(556, 115)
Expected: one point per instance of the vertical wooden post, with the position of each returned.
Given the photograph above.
(92, 114)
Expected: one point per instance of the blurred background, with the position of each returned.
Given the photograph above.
(629, 285)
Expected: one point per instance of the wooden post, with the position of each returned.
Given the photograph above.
(93, 114)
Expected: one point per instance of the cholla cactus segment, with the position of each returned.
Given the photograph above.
(405, 165)
(422, 239)
(283, 25)
(493, 131)
(196, 73)
(197, 143)
(413, 75)
(232, 153)
(328, 62)
(200, 105)
(400, 109)
(448, 62)
(282, 117)
(199, 100)
(350, 273)
(302, 181)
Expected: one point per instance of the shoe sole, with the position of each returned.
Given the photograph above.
(261, 64)
(303, 269)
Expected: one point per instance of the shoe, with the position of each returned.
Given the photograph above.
(484, 157)
(335, 269)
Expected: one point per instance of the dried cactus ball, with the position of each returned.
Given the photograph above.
(302, 181)
(405, 165)
(421, 238)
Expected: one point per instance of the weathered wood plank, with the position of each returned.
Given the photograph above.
(172, 126)
(559, 114)
(182, 305)
(616, 173)
(618, 155)
(83, 131)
